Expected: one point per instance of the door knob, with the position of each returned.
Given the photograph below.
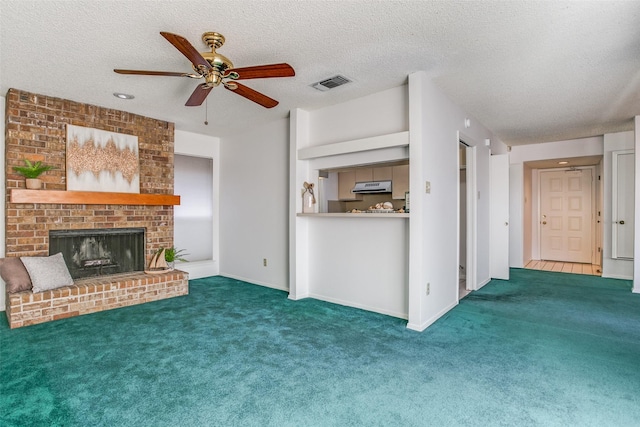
(506, 223)
(544, 222)
(621, 222)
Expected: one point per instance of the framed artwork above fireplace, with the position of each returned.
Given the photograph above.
(99, 160)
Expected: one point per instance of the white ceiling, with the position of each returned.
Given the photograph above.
(530, 71)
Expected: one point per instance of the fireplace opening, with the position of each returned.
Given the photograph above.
(99, 252)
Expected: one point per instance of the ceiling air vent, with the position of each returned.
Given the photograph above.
(331, 82)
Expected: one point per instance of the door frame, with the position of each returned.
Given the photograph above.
(471, 280)
(594, 210)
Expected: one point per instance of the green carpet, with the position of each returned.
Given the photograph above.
(540, 349)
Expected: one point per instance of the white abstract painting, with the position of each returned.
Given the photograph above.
(98, 160)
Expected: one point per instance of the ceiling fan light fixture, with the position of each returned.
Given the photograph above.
(123, 95)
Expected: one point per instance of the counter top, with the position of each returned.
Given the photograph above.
(356, 215)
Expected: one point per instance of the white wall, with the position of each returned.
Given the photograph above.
(2, 198)
(434, 125)
(254, 199)
(197, 145)
(555, 150)
(360, 262)
(381, 113)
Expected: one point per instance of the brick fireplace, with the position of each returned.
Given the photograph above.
(36, 129)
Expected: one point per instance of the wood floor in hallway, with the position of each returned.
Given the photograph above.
(565, 267)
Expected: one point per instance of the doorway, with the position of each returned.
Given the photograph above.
(467, 219)
(566, 218)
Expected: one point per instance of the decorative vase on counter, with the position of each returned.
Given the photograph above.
(308, 199)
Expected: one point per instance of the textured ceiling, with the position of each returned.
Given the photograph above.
(530, 71)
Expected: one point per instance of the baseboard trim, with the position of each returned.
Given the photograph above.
(359, 306)
(199, 269)
(481, 284)
(256, 282)
(424, 325)
(617, 276)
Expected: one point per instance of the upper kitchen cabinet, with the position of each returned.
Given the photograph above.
(368, 174)
(346, 182)
(400, 181)
(364, 174)
(383, 173)
(399, 175)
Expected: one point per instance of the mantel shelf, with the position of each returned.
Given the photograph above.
(91, 198)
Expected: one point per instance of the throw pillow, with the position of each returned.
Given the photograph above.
(47, 272)
(14, 275)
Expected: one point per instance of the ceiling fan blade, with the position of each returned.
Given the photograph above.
(152, 73)
(187, 50)
(253, 95)
(198, 96)
(264, 71)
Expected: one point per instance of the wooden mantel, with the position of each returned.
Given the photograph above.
(19, 195)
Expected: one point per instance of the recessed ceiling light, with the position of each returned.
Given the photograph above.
(123, 95)
(563, 163)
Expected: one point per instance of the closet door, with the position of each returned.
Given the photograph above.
(622, 209)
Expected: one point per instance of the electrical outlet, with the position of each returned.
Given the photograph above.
(264, 262)
(428, 288)
(427, 187)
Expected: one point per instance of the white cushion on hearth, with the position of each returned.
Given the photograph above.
(47, 272)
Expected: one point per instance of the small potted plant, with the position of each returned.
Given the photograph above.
(172, 254)
(31, 172)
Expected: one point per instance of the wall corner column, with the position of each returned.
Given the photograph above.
(416, 319)
(298, 228)
(636, 237)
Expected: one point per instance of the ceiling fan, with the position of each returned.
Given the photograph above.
(216, 69)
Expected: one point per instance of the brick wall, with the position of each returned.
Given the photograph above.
(36, 129)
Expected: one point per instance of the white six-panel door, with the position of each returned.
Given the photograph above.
(566, 215)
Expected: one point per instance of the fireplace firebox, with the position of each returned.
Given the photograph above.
(98, 252)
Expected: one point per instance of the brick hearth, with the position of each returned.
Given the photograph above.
(94, 294)
(36, 129)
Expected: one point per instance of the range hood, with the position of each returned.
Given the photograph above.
(372, 187)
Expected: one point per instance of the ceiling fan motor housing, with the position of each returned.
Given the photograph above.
(220, 63)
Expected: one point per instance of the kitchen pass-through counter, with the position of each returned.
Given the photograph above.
(357, 215)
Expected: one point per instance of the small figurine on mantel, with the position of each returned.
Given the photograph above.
(308, 198)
